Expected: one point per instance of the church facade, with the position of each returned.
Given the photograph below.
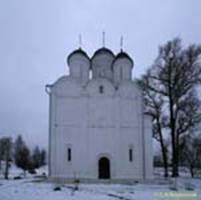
(97, 126)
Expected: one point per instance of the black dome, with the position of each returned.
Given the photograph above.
(123, 55)
(77, 51)
(102, 50)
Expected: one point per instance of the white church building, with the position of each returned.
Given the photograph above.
(97, 126)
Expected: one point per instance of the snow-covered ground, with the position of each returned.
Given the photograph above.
(34, 188)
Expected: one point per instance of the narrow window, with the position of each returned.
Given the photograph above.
(130, 155)
(69, 154)
(101, 89)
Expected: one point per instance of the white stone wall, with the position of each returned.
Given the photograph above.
(148, 147)
(122, 70)
(102, 66)
(79, 68)
(95, 124)
(102, 116)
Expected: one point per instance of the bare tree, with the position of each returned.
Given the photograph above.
(190, 149)
(154, 104)
(175, 73)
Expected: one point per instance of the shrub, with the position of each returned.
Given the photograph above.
(17, 178)
(57, 188)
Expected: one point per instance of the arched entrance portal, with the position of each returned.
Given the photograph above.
(104, 168)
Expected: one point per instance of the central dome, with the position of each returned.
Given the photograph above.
(101, 63)
(103, 50)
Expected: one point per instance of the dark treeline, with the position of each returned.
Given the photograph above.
(19, 153)
(170, 89)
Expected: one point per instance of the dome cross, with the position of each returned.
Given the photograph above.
(80, 41)
(103, 35)
(121, 43)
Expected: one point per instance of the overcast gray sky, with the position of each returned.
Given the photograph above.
(37, 35)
